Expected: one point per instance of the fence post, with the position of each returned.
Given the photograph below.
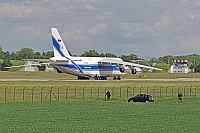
(83, 92)
(59, 94)
(105, 93)
(178, 89)
(5, 93)
(50, 93)
(14, 95)
(66, 92)
(91, 93)
(172, 91)
(98, 92)
(120, 91)
(166, 91)
(184, 90)
(141, 89)
(195, 91)
(154, 90)
(41, 94)
(127, 91)
(190, 90)
(160, 91)
(75, 93)
(134, 90)
(113, 92)
(24, 92)
(32, 93)
(148, 90)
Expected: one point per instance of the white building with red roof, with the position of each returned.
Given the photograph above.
(179, 66)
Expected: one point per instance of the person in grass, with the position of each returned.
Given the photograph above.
(180, 95)
(108, 95)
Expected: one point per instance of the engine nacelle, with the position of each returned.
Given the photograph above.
(58, 71)
(122, 69)
(133, 71)
(136, 70)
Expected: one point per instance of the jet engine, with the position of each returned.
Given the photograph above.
(133, 71)
(122, 69)
(58, 71)
(136, 70)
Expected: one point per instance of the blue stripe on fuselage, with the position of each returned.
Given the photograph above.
(92, 67)
(57, 47)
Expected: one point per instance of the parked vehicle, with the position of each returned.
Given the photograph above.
(141, 98)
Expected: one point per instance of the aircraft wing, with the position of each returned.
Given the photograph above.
(121, 63)
(37, 60)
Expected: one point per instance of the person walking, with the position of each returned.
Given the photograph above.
(108, 95)
(180, 95)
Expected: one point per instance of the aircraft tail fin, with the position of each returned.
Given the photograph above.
(58, 44)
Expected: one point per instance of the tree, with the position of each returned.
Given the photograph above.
(91, 53)
(129, 58)
(14, 56)
(2, 54)
(26, 53)
(43, 54)
(110, 55)
(37, 55)
(165, 59)
(102, 55)
(153, 60)
(6, 62)
(48, 55)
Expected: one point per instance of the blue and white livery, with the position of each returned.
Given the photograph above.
(98, 68)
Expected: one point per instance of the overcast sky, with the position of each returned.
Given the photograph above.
(147, 28)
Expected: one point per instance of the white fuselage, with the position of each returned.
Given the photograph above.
(87, 66)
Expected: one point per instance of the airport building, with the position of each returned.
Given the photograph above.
(29, 67)
(179, 66)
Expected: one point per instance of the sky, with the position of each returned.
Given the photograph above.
(147, 28)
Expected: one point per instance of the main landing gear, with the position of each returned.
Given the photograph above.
(117, 78)
(100, 77)
(83, 78)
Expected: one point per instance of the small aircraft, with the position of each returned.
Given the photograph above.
(98, 68)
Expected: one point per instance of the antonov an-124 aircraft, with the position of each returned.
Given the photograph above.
(98, 68)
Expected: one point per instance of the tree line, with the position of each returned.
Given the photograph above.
(28, 53)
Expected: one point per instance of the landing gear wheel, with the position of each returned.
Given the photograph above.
(117, 78)
(100, 78)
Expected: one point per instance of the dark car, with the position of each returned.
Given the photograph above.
(141, 98)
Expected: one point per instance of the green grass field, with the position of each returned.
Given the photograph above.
(84, 111)
(164, 115)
